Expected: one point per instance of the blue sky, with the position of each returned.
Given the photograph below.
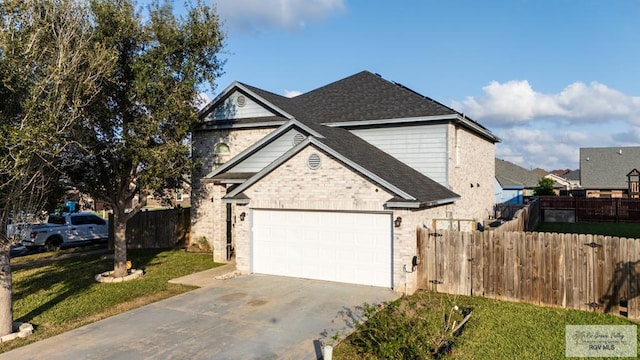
(547, 76)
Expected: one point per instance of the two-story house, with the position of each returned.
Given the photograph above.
(333, 183)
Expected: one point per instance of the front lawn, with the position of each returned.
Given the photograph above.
(59, 295)
(628, 230)
(412, 328)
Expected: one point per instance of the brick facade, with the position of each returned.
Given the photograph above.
(293, 185)
(208, 213)
(471, 174)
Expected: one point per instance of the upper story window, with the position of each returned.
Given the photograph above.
(221, 148)
(221, 152)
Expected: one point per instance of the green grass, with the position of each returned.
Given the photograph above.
(496, 329)
(628, 230)
(59, 295)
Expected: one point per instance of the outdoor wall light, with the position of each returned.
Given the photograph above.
(471, 184)
(242, 216)
(397, 221)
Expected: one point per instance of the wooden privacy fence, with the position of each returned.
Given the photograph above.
(586, 272)
(525, 218)
(157, 229)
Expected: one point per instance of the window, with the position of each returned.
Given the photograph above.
(80, 220)
(221, 148)
(54, 219)
(221, 152)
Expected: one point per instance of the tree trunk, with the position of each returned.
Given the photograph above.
(6, 305)
(120, 245)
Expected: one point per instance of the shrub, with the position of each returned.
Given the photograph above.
(409, 328)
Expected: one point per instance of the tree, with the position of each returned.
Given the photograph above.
(49, 71)
(134, 140)
(544, 187)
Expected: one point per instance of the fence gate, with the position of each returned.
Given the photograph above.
(448, 261)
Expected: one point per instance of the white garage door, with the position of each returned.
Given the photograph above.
(336, 246)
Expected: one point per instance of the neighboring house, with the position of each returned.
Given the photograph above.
(608, 172)
(574, 179)
(513, 183)
(333, 183)
(561, 183)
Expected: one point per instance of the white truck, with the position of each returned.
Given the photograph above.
(67, 229)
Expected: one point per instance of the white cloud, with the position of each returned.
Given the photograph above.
(517, 102)
(548, 130)
(258, 15)
(292, 93)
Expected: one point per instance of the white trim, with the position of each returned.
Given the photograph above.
(211, 125)
(418, 205)
(235, 201)
(402, 205)
(236, 85)
(232, 181)
(392, 121)
(450, 117)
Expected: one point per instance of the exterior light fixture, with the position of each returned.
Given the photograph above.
(397, 221)
(242, 216)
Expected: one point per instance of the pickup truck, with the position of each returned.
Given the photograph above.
(67, 229)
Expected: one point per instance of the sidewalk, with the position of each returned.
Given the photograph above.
(207, 278)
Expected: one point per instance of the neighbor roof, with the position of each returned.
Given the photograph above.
(511, 175)
(607, 167)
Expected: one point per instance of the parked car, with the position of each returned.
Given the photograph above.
(67, 229)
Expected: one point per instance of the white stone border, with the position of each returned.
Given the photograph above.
(21, 330)
(106, 277)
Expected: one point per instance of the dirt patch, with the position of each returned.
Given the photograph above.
(232, 297)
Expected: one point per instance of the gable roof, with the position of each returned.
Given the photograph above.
(324, 113)
(354, 100)
(411, 188)
(511, 175)
(573, 175)
(607, 167)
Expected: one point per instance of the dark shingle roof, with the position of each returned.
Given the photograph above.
(607, 167)
(365, 97)
(362, 97)
(573, 175)
(509, 174)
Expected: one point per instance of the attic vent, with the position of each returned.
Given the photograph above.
(298, 139)
(241, 101)
(314, 161)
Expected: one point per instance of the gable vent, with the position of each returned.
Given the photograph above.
(241, 101)
(298, 139)
(314, 161)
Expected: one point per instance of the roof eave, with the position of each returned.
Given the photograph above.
(447, 117)
(419, 204)
(207, 109)
(210, 125)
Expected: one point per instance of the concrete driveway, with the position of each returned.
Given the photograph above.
(246, 317)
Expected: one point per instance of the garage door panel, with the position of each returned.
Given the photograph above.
(335, 246)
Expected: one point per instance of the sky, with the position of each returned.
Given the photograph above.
(546, 76)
